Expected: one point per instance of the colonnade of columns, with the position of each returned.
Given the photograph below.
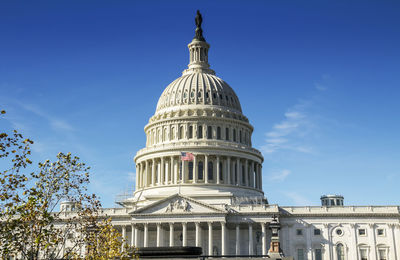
(140, 236)
(203, 169)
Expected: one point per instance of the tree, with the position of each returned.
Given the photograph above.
(31, 227)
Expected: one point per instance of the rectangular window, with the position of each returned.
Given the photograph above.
(361, 232)
(318, 254)
(299, 232)
(363, 254)
(382, 254)
(190, 173)
(190, 132)
(381, 232)
(200, 132)
(227, 134)
(317, 232)
(300, 254)
(209, 132)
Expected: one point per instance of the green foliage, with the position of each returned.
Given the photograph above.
(30, 226)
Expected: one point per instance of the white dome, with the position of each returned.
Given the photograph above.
(198, 88)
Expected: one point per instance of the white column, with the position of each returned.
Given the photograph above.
(171, 172)
(309, 242)
(137, 237)
(153, 173)
(260, 175)
(328, 237)
(166, 172)
(123, 238)
(195, 175)
(228, 170)
(396, 233)
(147, 176)
(223, 238)
(206, 168)
(372, 241)
(353, 232)
(162, 172)
(393, 253)
(133, 235)
(218, 170)
(210, 239)
(198, 234)
(176, 171)
(184, 234)
(251, 251)
(146, 235)
(137, 176)
(171, 234)
(158, 234)
(237, 239)
(263, 239)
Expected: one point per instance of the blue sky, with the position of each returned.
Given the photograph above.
(319, 81)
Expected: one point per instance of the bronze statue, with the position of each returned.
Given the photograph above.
(199, 32)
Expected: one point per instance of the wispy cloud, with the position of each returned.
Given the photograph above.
(297, 199)
(279, 175)
(288, 133)
(55, 123)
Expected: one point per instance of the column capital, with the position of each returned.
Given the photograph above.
(371, 225)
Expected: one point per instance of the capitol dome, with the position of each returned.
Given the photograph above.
(198, 142)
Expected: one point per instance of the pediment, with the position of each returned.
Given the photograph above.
(178, 204)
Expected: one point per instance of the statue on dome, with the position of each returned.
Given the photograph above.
(199, 32)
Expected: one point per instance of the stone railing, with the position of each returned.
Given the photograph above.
(306, 210)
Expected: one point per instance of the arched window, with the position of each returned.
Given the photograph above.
(200, 132)
(165, 135)
(172, 134)
(200, 170)
(210, 171)
(234, 135)
(190, 173)
(339, 252)
(181, 132)
(190, 132)
(227, 134)
(209, 132)
(219, 133)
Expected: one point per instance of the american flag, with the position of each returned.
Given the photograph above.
(187, 156)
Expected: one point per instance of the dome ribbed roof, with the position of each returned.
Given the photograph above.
(198, 88)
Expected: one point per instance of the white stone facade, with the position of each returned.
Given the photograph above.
(216, 200)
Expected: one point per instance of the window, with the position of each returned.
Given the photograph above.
(172, 137)
(209, 132)
(299, 232)
(200, 132)
(318, 253)
(236, 168)
(380, 232)
(190, 173)
(180, 171)
(210, 171)
(219, 133)
(227, 134)
(240, 136)
(361, 232)
(200, 170)
(339, 252)
(221, 173)
(243, 175)
(181, 132)
(339, 232)
(363, 254)
(317, 232)
(234, 135)
(190, 132)
(300, 254)
(382, 254)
